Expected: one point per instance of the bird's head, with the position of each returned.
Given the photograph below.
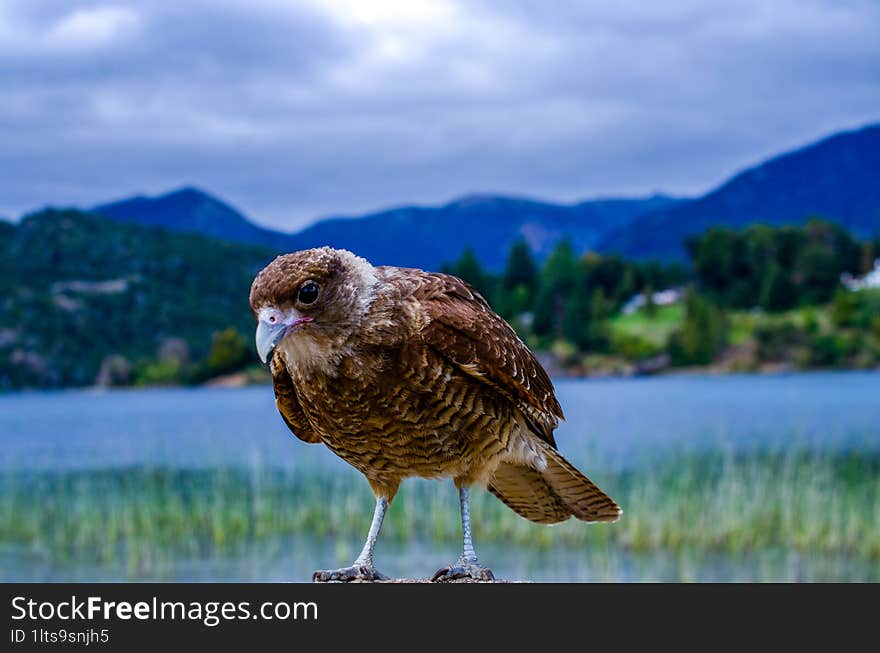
(311, 302)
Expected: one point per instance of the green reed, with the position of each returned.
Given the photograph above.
(826, 504)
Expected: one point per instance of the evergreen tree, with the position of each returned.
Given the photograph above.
(519, 283)
(760, 249)
(559, 280)
(650, 305)
(585, 320)
(629, 284)
(819, 273)
(598, 338)
(468, 267)
(778, 292)
(701, 336)
(869, 255)
(520, 270)
(576, 320)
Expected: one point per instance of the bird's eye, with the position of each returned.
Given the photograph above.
(308, 293)
(272, 319)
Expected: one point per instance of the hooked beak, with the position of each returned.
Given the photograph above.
(269, 335)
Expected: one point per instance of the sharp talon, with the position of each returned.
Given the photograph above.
(355, 573)
(455, 572)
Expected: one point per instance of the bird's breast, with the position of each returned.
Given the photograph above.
(404, 413)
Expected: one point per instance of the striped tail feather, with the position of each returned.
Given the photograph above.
(553, 495)
(527, 494)
(583, 497)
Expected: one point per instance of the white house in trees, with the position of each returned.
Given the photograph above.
(870, 280)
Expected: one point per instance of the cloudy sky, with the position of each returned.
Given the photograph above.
(293, 110)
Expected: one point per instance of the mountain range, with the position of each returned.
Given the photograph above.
(414, 236)
(190, 210)
(837, 178)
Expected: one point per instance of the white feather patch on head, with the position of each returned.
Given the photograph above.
(364, 277)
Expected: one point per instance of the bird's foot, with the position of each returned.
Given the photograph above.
(463, 569)
(355, 574)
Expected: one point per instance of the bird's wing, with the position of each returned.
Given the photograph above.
(288, 403)
(461, 326)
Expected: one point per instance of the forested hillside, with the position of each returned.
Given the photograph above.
(78, 291)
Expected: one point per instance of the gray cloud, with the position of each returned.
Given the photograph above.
(293, 110)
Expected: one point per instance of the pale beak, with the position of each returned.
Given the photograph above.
(269, 335)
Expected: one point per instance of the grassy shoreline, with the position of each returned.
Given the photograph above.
(815, 504)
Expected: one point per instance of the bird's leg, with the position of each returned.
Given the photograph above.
(468, 566)
(362, 568)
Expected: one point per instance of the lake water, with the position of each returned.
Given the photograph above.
(618, 423)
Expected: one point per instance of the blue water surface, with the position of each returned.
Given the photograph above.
(617, 422)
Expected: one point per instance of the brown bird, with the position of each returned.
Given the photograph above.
(403, 373)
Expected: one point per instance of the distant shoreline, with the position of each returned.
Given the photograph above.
(246, 379)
